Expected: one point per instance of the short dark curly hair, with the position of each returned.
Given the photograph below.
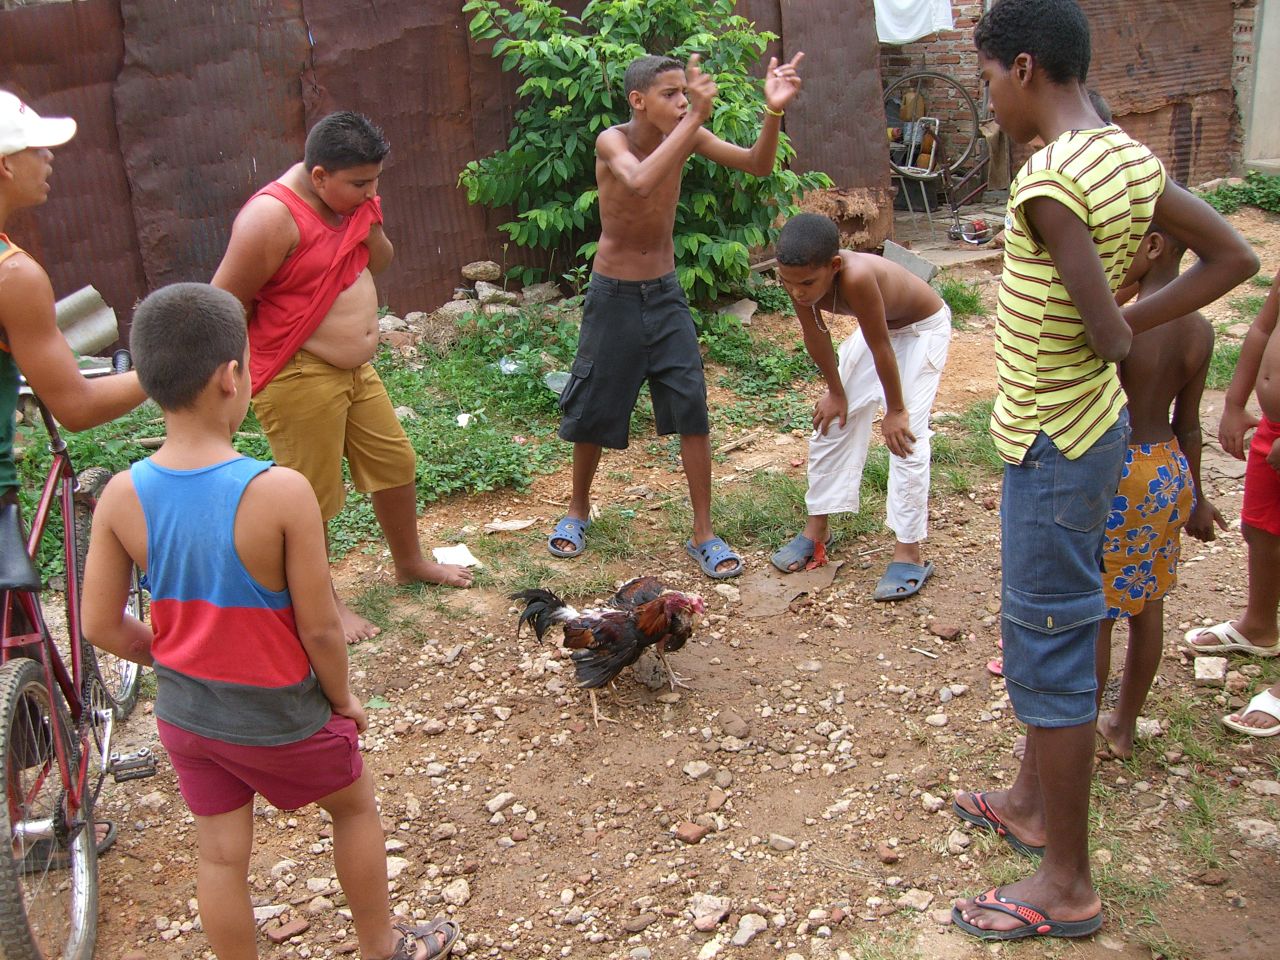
(181, 335)
(1054, 32)
(344, 140)
(643, 72)
(807, 240)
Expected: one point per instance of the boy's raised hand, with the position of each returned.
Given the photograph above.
(699, 88)
(782, 83)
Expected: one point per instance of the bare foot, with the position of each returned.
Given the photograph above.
(1119, 742)
(428, 571)
(355, 627)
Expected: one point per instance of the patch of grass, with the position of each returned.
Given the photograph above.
(770, 296)
(788, 410)
(964, 440)
(1258, 190)
(1260, 280)
(760, 367)
(961, 296)
(1222, 365)
(1249, 306)
(374, 603)
(1150, 932)
(897, 946)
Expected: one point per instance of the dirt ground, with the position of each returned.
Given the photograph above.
(815, 754)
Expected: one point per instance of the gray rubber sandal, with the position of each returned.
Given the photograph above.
(795, 555)
(902, 580)
(573, 530)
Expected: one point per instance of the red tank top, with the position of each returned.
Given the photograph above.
(292, 303)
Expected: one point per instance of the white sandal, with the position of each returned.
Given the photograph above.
(1230, 640)
(1266, 703)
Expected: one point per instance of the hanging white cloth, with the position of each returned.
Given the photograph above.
(901, 21)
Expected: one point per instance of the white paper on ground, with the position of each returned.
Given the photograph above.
(460, 555)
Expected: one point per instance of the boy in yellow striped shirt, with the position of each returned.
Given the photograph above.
(1078, 211)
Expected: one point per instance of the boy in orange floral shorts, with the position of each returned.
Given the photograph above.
(1159, 491)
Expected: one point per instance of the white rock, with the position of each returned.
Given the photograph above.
(749, 927)
(566, 896)
(546, 292)
(1211, 671)
(697, 769)
(916, 900)
(457, 893)
(708, 910)
(936, 720)
(931, 803)
(809, 666)
(396, 866)
(500, 802)
(728, 591)
(268, 912)
(958, 842)
(1264, 788)
(492, 293)
(780, 843)
(482, 270)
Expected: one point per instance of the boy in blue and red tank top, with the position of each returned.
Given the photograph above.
(252, 695)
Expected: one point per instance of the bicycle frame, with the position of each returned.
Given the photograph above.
(59, 488)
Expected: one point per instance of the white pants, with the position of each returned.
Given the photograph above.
(836, 460)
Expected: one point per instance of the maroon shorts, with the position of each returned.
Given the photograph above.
(215, 777)
(1261, 508)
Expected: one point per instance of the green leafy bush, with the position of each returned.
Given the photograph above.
(1258, 190)
(573, 90)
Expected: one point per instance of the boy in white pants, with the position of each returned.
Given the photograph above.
(895, 358)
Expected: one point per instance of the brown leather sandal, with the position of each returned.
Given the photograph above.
(428, 933)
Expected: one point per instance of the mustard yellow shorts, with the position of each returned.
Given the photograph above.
(314, 414)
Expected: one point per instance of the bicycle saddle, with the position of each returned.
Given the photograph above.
(16, 570)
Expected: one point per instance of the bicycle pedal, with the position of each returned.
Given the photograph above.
(137, 765)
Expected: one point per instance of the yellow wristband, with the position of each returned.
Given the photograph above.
(774, 113)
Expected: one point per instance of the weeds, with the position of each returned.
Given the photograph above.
(1260, 280)
(962, 297)
(1248, 306)
(1258, 190)
(1222, 365)
(770, 297)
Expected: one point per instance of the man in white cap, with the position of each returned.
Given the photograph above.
(29, 337)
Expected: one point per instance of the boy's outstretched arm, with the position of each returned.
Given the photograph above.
(45, 359)
(108, 575)
(781, 85)
(306, 572)
(1070, 244)
(1224, 260)
(1186, 427)
(1236, 420)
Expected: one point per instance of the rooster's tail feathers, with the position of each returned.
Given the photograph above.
(542, 610)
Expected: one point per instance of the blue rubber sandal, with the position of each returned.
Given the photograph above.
(713, 553)
(902, 580)
(795, 555)
(573, 530)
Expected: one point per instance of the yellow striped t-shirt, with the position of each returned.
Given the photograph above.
(1049, 377)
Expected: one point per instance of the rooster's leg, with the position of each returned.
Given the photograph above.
(596, 715)
(675, 679)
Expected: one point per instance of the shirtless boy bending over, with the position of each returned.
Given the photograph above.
(301, 259)
(636, 324)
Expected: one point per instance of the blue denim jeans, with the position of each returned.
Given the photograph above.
(1053, 515)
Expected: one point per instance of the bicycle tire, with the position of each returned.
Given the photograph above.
(121, 679)
(968, 128)
(46, 910)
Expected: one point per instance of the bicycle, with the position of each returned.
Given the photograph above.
(56, 725)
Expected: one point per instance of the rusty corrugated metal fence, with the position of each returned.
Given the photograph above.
(186, 108)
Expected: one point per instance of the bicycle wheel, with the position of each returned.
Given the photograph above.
(120, 678)
(936, 106)
(49, 875)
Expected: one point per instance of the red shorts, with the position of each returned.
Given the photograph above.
(1261, 508)
(215, 777)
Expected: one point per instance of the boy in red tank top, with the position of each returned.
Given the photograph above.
(302, 257)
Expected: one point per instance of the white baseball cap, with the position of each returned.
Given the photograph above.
(21, 127)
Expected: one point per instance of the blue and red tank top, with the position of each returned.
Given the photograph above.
(229, 664)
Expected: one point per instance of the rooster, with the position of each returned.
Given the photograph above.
(643, 613)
